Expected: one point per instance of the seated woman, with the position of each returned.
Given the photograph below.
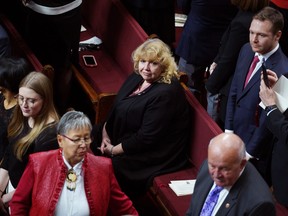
(12, 71)
(147, 131)
(31, 129)
(70, 180)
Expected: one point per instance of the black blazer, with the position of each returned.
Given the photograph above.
(249, 196)
(206, 22)
(236, 35)
(154, 129)
(277, 123)
(150, 4)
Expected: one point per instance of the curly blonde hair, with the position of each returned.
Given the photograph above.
(155, 50)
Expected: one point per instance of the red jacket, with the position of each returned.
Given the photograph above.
(41, 184)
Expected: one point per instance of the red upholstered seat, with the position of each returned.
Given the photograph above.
(203, 129)
(169, 200)
(121, 35)
(281, 210)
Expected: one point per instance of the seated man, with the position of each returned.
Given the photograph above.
(240, 190)
(4, 43)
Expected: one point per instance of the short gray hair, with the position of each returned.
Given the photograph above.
(73, 120)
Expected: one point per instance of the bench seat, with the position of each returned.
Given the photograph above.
(166, 198)
(120, 33)
(202, 131)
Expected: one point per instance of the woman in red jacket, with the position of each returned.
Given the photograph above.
(70, 181)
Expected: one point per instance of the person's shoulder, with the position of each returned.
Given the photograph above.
(132, 79)
(254, 182)
(174, 84)
(245, 50)
(247, 47)
(98, 160)
(243, 18)
(43, 155)
(3, 33)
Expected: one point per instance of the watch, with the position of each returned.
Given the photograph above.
(271, 107)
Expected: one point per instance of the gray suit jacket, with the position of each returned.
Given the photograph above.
(250, 195)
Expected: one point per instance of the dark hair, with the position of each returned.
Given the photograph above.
(250, 5)
(272, 15)
(12, 71)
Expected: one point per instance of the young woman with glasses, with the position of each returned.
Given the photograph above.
(31, 129)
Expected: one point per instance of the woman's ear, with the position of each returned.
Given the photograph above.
(60, 140)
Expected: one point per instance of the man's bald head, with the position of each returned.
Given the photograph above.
(226, 158)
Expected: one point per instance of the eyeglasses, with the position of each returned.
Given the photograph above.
(79, 141)
(28, 101)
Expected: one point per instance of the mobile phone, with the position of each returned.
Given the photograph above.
(89, 60)
(265, 76)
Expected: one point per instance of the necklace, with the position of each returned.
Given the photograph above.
(71, 178)
(142, 86)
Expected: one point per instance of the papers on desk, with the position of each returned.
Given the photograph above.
(182, 187)
(83, 29)
(180, 19)
(281, 90)
(94, 40)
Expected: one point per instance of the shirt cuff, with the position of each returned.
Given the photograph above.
(229, 131)
(271, 111)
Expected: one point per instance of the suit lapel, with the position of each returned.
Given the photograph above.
(270, 64)
(228, 203)
(245, 68)
(202, 197)
(253, 81)
(233, 196)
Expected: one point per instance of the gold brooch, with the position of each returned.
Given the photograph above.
(71, 180)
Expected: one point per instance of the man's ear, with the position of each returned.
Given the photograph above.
(60, 140)
(243, 163)
(278, 35)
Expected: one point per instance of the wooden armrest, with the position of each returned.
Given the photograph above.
(93, 96)
(105, 103)
(183, 77)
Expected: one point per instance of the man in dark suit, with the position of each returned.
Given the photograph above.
(277, 123)
(244, 192)
(155, 17)
(223, 67)
(4, 43)
(244, 116)
(206, 22)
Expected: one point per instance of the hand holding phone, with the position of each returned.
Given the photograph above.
(265, 76)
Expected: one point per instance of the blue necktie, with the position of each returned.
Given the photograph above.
(211, 201)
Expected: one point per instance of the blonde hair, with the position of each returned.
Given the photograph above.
(41, 84)
(155, 50)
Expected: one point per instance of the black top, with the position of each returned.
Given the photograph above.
(5, 116)
(47, 140)
(235, 36)
(53, 3)
(153, 128)
(277, 123)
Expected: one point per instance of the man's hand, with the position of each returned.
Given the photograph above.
(267, 95)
